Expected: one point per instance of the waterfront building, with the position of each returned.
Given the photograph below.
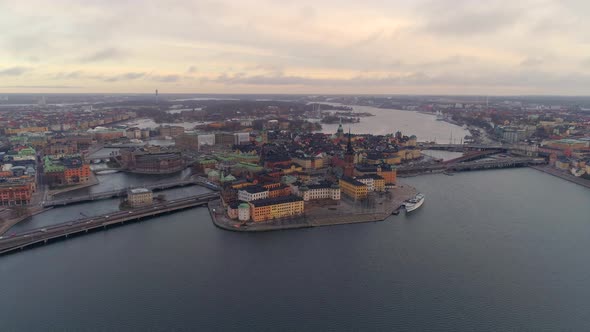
(139, 197)
(374, 182)
(244, 212)
(387, 172)
(152, 161)
(252, 193)
(232, 210)
(353, 188)
(322, 190)
(276, 208)
(562, 164)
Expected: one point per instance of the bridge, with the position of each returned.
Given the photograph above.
(462, 147)
(471, 156)
(519, 149)
(123, 192)
(469, 166)
(82, 226)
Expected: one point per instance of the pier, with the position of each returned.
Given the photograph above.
(82, 226)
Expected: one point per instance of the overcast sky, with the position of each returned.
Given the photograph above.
(287, 46)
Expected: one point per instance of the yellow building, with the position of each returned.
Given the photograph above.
(310, 162)
(275, 208)
(16, 131)
(353, 188)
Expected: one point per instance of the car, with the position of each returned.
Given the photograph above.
(130, 212)
(43, 230)
(106, 217)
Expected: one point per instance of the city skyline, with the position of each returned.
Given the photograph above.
(265, 46)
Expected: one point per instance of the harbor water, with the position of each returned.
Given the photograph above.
(488, 251)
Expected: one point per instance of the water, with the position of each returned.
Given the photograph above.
(490, 250)
(387, 121)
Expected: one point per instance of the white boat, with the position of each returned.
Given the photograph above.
(414, 203)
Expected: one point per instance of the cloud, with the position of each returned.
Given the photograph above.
(103, 55)
(467, 18)
(41, 87)
(124, 77)
(166, 78)
(13, 71)
(191, 70)
(532, 61)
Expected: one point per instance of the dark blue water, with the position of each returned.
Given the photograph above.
(491, 250)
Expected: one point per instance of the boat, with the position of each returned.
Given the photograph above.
(414, 203)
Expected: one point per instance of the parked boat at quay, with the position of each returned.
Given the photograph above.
(414, 203)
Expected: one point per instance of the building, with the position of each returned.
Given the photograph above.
(171, 131)
(138, 197)
(252, 193)
(15, 193)
(18, 131)
(244, 212)
(152, 161)
(353, 188)
(349, 158)
(387, 172)
(66, 170)
(241, 138)
(276, 208)
(374, 182)
(323, 190)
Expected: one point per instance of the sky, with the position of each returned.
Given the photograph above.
(492, 47)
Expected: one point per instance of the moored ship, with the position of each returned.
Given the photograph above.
(414, 203)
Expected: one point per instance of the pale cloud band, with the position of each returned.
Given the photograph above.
(271, 46)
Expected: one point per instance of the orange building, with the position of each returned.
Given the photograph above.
(15, 194)
(276, 208)
(77, 175)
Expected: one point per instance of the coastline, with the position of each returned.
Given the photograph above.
(562, 175)
(313, 217)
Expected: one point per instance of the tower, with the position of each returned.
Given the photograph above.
(349, 157)
(340, 131)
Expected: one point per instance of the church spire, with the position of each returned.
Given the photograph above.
(349, 144)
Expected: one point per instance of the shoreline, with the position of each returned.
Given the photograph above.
(565, 176)
(311, 218)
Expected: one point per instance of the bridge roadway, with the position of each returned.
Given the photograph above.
(469, 166)
(81, 226)
(123, 192)
(471, 156)
(461, 147)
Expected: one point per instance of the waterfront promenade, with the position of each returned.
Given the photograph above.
(563, 175)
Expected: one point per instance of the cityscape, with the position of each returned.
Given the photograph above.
(426, 169)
